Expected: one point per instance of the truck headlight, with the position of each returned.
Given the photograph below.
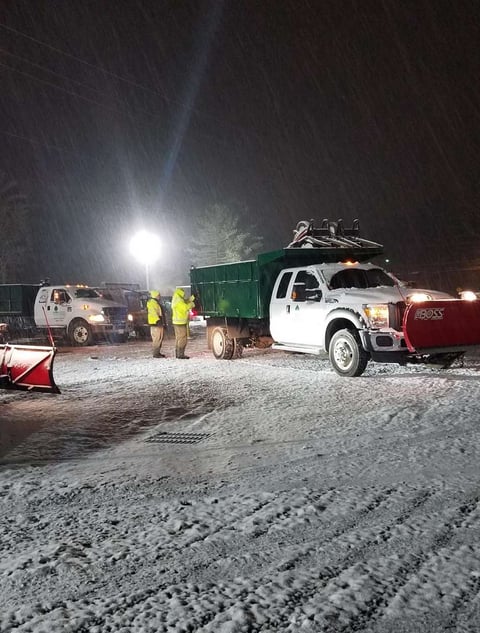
(130, 317)
(377, 315)
(418, 297)
(468, 295)
(96, 318)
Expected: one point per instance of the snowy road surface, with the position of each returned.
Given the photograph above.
(262, 494)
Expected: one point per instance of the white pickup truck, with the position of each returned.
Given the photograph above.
(320, 296)
(352, 311)
(77, 313)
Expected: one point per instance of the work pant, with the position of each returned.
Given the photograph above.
(156, 332)
(180, 340)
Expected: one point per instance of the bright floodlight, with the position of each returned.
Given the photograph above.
(145, 247)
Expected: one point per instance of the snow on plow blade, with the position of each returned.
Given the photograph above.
(27, 367)
(442, 326)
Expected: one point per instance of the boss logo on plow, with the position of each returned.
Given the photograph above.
(429, 314)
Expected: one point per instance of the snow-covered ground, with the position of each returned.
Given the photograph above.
(262, 494)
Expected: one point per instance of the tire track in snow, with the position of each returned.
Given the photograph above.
(355, 592)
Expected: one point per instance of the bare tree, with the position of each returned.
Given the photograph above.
(220, 237)
(15, 238)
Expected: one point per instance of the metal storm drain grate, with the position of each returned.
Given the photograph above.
(177, 438)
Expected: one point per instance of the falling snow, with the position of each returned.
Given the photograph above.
(124, 116)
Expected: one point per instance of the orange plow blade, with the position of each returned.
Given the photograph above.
(442, 326)
(27, 367)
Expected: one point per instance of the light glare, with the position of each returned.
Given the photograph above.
(145, 247)
(468, 295)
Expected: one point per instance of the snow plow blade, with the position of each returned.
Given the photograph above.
(27, 367)
(441, 326)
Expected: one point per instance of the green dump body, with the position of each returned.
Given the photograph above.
(17, 299)
(243, 289)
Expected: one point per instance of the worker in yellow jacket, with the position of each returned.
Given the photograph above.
(180, 317)
(156, 322)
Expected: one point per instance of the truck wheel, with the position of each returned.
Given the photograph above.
(80, 333)
(346, 354)
(222, 345)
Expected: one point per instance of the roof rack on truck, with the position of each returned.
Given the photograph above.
(334, 240)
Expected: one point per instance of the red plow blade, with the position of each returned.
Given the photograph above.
(27, 367)
(442, 326)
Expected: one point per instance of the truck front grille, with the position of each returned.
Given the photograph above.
(115, 316)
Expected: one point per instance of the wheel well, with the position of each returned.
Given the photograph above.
(77, 321)
(237, 328)
(334, 326)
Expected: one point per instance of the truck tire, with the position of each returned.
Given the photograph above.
(346, 354)
(222, 345)
(80, 333)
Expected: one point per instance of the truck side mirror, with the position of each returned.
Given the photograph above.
(298, 292)
(313, 295)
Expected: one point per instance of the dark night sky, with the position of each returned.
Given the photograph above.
(122, 113)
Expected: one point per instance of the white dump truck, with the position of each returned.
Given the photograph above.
(77, 314)
(321, 295)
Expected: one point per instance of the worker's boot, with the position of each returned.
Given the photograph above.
(180, 353)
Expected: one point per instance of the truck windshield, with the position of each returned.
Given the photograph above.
(86, 293)
(360, 278)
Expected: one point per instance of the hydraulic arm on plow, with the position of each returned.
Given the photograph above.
(27, 367)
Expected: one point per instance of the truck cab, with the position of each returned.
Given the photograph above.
(80, 313)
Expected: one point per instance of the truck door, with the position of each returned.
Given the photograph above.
(280, 316)
(297, 310)
(58, 307)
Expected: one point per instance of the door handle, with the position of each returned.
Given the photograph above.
(288, 308)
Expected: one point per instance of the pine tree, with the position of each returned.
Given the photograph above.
(219, 239)
(13, 229)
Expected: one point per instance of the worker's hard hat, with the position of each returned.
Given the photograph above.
(154, 294)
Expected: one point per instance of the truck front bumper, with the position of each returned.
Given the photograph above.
(103, 329)
(379, 342)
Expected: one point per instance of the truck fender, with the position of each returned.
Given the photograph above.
(343, 318)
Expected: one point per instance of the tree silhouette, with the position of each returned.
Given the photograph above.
(219, 238)
(15, 237)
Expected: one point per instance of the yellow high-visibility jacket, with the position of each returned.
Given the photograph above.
(181, 307)
(154, 312)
